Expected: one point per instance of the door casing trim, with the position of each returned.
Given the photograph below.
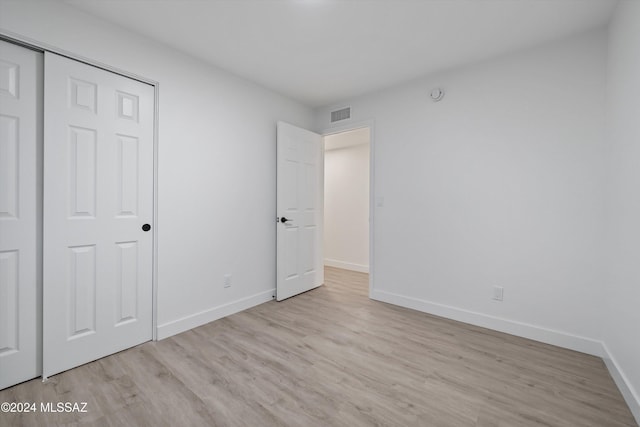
(369, 123)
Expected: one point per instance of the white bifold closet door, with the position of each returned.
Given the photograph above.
(20, 177)
(98, 197)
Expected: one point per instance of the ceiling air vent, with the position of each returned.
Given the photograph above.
(341, 114)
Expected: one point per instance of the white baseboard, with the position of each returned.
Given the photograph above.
(198, 319)
(536, 333)
(346, 265)
(630, 395)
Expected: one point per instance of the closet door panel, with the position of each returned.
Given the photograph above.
(20, 213)
(98, 194)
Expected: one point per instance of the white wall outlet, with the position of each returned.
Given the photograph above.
(498, 293)
(227, 280)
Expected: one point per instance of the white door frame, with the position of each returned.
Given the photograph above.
(346, 127)
(39, 46)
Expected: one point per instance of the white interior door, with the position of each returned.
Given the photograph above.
(299, 204)
(20, 210)
(98, 194)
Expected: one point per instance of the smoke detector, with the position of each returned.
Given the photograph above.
(437, 94)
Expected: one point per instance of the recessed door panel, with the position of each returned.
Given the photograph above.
(10, 323)
(127, 175)
(82, 161)
(127, 106)
(127, 276)
(83, 95)
(9, 73)
(9, 165)
(290, 188)
(82, 291)
(291, 237)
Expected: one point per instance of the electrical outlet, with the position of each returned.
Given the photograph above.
(498, 293)
(227, 280)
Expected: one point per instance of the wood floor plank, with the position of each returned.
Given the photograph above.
(333, 357)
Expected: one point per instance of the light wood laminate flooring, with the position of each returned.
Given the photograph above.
(332, 357)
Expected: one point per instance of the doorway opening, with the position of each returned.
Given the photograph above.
(347, 184)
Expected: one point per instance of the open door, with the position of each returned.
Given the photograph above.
(299, 211)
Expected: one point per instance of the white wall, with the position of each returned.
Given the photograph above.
(622, 286)
(346, 201)
(216, 163)
(500, 183)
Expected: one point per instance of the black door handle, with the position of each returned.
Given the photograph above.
(283, 220)
(146, 227)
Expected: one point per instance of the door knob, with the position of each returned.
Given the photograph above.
(146, 227)
(283, 220)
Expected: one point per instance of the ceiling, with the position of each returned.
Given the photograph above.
(322, 51)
